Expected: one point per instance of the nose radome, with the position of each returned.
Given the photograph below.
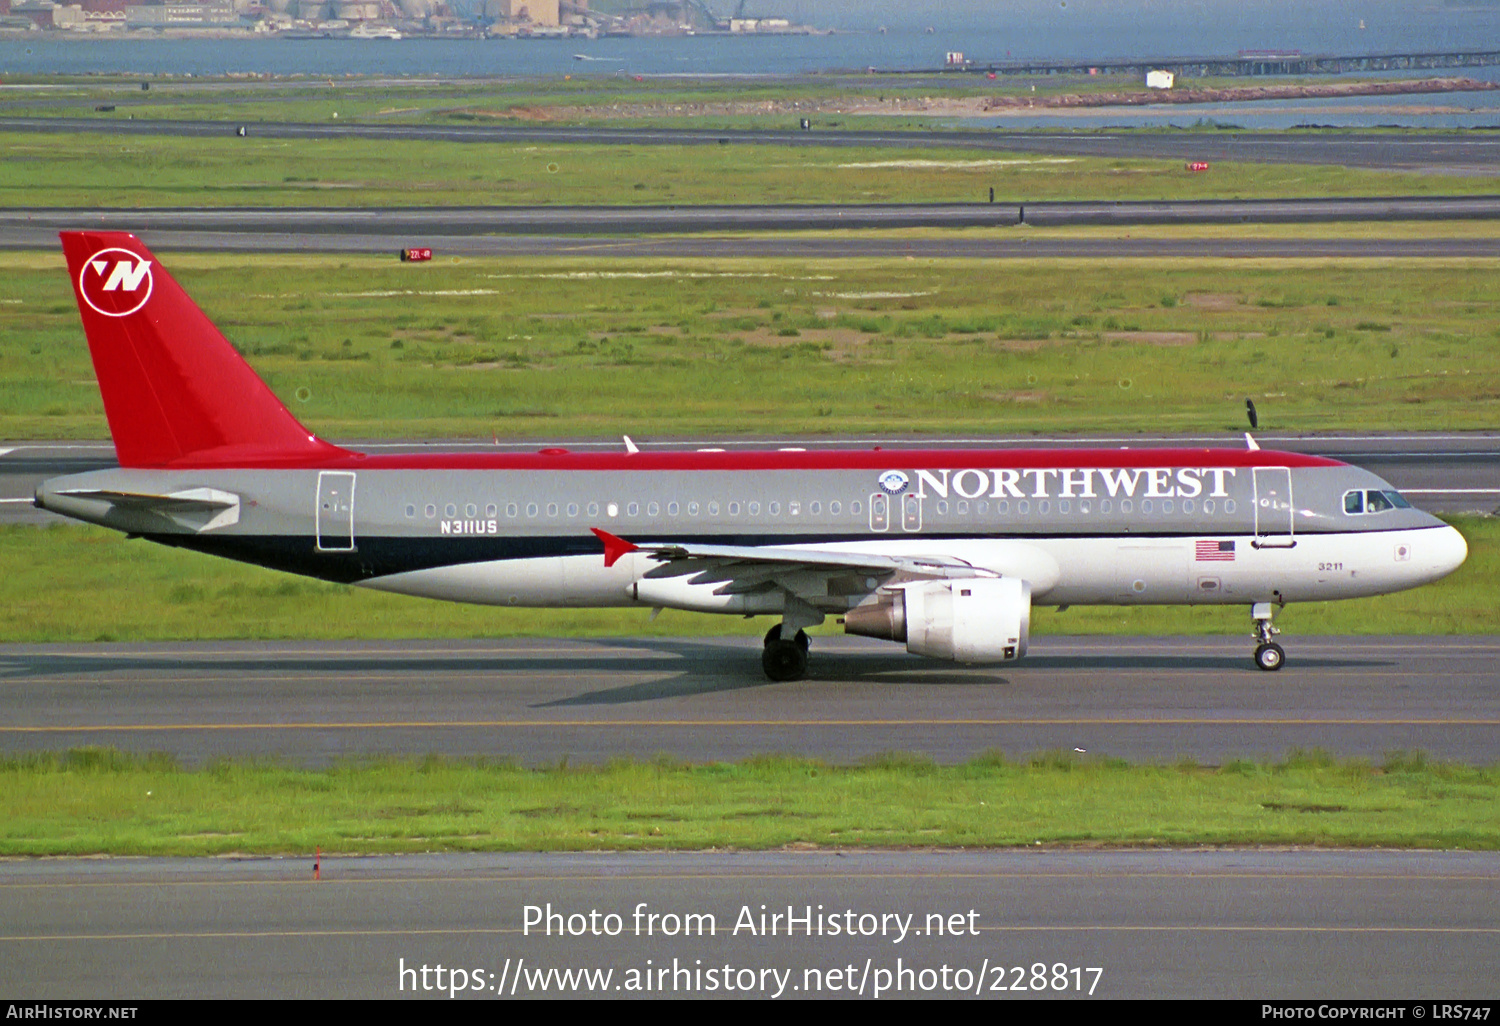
(1446, 551)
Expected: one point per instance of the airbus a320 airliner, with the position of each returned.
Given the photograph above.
(945, 551)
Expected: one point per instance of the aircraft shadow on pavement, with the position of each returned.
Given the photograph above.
(291, 664)
(706, 667)
(687, 666)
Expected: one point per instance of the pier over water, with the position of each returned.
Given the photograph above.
(1244, 64)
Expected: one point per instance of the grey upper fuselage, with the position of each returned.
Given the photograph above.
(410, 512)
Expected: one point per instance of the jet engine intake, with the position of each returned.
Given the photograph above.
(969, 620)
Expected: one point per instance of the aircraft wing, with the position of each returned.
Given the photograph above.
(809, 574)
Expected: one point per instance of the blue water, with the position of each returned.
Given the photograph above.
(983, 30)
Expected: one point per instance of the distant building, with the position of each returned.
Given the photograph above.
(357, 10)
(1159, 79)
(47, 15)
(201, 14)
(534, 12)
(759, 24)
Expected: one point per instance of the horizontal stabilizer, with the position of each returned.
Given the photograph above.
(202, 509)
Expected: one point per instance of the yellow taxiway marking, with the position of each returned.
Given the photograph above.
(1103, 721)
(641, 648)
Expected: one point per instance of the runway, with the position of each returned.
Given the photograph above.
(1463, 152)
(725, 232)
(796, 246)
(1264, 925)
(705, 699)
(598, 220)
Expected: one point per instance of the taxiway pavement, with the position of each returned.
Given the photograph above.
(1262, 925)
(702, 699)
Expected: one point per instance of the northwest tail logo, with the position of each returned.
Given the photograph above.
(115, 282)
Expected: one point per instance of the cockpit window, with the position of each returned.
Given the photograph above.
(1373, 501)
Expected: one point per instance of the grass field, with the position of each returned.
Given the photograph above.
(593, 347)
(77, 583)
(688, 101)
(145, 171)
(101, 802)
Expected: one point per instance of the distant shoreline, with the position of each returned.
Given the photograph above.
(1237, 94)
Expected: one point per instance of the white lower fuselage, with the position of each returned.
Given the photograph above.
(1061, 571)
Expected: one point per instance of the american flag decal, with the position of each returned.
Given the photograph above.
(1210, 550)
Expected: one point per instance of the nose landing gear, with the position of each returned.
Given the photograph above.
(1268, 654)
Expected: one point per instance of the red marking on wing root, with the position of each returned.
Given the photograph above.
(614, 547)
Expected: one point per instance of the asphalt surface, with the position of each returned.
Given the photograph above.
(1261, 925)
(705, 699)
(523, 220)
(1458, 473)
(1473, 152)
(716, 231)
(379, 240)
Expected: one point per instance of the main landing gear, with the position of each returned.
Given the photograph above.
(785, 658)
(1268, 654)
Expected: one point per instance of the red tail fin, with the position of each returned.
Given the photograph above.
(174, 388)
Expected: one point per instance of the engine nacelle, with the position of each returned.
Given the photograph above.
(973, 620)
